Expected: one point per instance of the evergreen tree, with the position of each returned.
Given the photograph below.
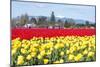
(66, 24)
(52, 19)
(33, 20)
(87, 23)
(24, 19)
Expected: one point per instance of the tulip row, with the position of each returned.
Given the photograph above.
(25, 33)
(54, 50)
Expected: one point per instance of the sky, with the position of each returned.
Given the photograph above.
(60, 10)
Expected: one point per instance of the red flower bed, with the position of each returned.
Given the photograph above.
(25, 33)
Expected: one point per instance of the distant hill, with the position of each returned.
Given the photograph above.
(77, 21)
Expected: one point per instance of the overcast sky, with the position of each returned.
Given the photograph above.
(60, 10)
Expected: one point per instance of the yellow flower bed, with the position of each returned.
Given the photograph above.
(52, 50)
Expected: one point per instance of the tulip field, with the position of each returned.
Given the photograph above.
(52, 46)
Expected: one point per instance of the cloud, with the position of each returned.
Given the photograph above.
(40, 5)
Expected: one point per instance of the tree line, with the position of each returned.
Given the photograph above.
(43, 20)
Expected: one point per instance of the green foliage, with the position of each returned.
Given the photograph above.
(42, 20)
(69, 24)
(24, 19)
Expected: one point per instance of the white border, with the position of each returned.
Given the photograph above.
(5, 33)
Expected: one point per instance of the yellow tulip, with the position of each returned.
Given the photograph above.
(46, 61)
(90, 54)
(33, 49)
(39, 57)
(83, 46)
(28, 42)
(15, 46)
(23, 45)
(89, 48)
(71, 51)
(67, 52)
(35, 45)
(23, 41)
(70, 57)
(56, 62)
(20, 60)
(26, 46)
(67, 44)
(56, 46)
(42, 53)
(78, 57)
(51, 49)
(23, 51)
(49, 45)
(33, 54)
(61, 45)
(13, 51)
(29, 57)
(48, 52)
(85, 52)
(61, 53)
(61, 61)
(73, 48)
(78, 48)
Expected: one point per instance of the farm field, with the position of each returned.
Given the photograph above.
(52, 46)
